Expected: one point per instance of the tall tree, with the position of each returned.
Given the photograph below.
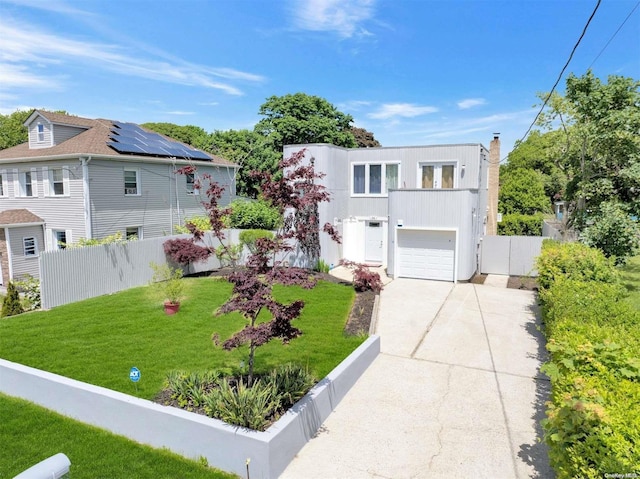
(300, 118)
(522, 192)
(249, 150)
(12, 129)
(364, 138)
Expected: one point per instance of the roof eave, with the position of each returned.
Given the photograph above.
(21, 225)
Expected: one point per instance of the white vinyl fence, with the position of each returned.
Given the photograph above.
(74, 274)
(510, 255)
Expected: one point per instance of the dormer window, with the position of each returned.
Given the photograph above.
(40, 133)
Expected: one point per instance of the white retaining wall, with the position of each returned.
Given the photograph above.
(192, 435)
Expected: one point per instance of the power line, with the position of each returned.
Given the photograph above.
(614, 35)
(575, 47)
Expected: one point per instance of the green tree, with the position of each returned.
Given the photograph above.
(522, 192)
(189, 134)
(11, 304)
(613, 232)
(251, 151)
(364, 138)
(601, 126)
(12, 129)
(300, 118)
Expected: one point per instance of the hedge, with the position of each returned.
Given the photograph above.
(521, 225)
(593, 337)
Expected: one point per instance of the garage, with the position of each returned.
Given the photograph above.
(426, 254)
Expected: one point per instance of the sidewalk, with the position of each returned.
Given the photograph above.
(455, 393)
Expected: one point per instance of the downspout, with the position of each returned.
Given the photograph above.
(88, 225)
(9, 253)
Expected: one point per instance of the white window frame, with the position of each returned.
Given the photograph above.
(49, 183)
(128, 231)
(40, 133)
(30, 247)
(437, 174)
(138, 187)
(384, 188)
(56, 239)
(4, 184)
(22, 183)
(191, 185)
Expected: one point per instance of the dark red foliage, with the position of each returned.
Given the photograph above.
(184, 251)
(363, 278)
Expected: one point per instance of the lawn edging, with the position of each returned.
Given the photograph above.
(192, 435)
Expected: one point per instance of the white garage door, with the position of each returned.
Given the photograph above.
(426, 254)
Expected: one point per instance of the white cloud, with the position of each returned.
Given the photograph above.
(343, 17)
(12, 75)
(180, 113)
(405, 110)
(471, 102)
(24, 46)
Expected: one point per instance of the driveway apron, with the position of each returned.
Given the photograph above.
(456, 391)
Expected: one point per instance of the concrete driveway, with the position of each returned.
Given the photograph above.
(456, 391)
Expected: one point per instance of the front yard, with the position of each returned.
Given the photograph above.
(100, 339)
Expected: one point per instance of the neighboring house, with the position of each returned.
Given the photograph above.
(420, 211)
(82, 178)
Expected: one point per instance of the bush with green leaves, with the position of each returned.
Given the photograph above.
(249, 237)
(229, 254)
(11, 304)
(29, 287)
(593, 338)
(246, 215)
(521, 225)
(291, 382)
(202, 223)
(613, 232)
(167, 281)
(322, 266)
(573, 261)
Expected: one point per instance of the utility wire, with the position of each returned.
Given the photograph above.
(614, 35)
(575, 47)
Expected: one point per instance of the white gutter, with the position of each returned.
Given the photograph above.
(9, 254)
(86, 198)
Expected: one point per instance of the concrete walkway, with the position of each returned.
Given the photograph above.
(455, 393)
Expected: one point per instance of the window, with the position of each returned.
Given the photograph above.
(191, 184)
(375, 179)
(56, 181)
(437, 175)
(30, 246)
(27, 183)
(60, 238)
(131, 183)
(40, 132)
(3, 183)
(133, 233)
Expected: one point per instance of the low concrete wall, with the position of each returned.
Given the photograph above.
(192, 435)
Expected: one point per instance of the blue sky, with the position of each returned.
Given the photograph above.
(412, 72)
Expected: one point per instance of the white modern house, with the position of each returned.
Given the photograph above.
(420, 211)
(83, 178)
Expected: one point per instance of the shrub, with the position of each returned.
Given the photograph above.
(202, 223)
(249, 237)
(321, 266)
(228, 255)
(291, 382)
(254, 215)
(573, 261)
(11, 304)
(520, 225)
(168, 281)
(363, 278)
(30, 289)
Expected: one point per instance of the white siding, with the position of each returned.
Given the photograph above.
(25, 265)
(63, 132)
(33, 133)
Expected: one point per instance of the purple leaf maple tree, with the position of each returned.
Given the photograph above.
(296, 195)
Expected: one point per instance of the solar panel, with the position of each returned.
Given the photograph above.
(131, 138)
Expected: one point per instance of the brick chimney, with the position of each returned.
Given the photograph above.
(493, 185)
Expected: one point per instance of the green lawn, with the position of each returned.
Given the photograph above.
(631, 280)
(30, 434)
(98, 340)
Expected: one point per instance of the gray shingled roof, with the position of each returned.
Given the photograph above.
(93, 141)
(14, 217)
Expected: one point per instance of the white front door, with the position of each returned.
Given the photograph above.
(373, 237)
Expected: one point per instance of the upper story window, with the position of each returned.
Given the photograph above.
(3, 183)
(192, 184)
(374, 178)
(56, 181)
(30, 246)
(40, 132)
(437, 175)
(27, 183)
(131, 182)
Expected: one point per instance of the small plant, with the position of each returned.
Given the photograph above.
(11, 304)
(30, 289)
(321, 266)
(291, 382)
(168, 280)
(249, 238)
(363, 278)
(229, 255)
